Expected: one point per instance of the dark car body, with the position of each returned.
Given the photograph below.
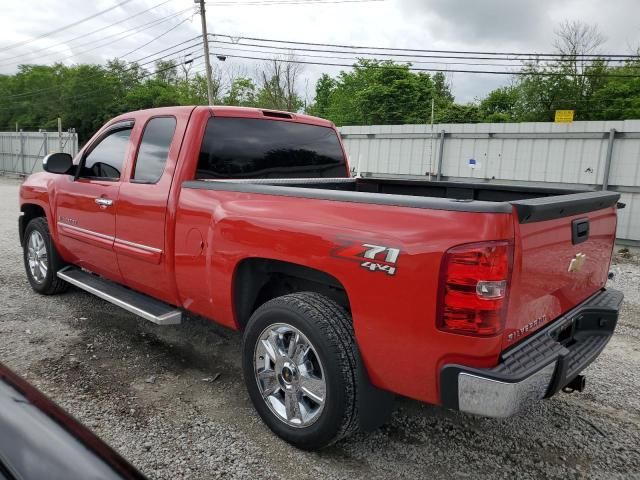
(39, 440)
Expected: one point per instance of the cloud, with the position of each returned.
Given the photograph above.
(486, 22)
(490, 25)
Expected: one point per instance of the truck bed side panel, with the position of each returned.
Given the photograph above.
(394, 315)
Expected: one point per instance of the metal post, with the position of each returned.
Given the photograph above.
(205, 41)
(24, 167)
(607, 160)
(45, 142)
(59, 134)
(74, 142)
(440, 155)
(431, 139)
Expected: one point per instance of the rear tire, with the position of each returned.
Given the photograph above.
(301, 346)
(41, 259)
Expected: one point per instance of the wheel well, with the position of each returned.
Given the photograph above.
(29, 212)
(258, 280)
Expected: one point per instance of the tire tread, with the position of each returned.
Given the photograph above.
(335, 324)
(56, 285)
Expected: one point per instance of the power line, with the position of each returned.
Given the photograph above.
(93, 32)
(94, 93)
(66, 27)
(454, 52)
(148, 74)
(443, 70)
(377, 54)
(197, 37)
(119, 36)
(154, 39)
(354, 57)
(132, 65)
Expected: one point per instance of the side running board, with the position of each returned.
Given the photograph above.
(134, 302)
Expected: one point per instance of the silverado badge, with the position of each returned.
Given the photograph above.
(577, 262)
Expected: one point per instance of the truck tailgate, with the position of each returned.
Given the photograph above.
(563, 248)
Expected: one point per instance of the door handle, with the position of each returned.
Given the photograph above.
(104, 202)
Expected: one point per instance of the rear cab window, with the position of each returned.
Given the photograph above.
(247, 148)
(154, 150)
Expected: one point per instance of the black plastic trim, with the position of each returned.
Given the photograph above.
(355, 197)
(21, 228)
(543, 204)
(476, 186)
(579, 230)
(591, 324)
(549, 208)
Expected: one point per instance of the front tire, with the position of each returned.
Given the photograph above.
(300, 368)
(41, 260)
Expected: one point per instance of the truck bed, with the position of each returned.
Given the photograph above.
(531, 203)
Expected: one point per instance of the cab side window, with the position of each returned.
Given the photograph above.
(154, 149)
(105, 160)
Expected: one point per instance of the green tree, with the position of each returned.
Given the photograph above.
(152, 93)
(279, 85)
(619, 97)
(501, 105)
(568, 83)
(193, 91)
(166, 71)
(380, 92)
(241, 93)
(90, 96)
(442, 90)
(456, 113)
(321, 107)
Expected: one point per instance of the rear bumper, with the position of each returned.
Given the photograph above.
(538, 366)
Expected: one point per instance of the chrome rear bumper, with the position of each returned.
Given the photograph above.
(537, 367)
(494, 398)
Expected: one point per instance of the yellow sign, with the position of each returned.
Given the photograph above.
(564, 116)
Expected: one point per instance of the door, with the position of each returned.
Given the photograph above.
(141, 230)
(86, 205)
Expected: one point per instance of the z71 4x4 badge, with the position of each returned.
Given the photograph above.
(372, 257)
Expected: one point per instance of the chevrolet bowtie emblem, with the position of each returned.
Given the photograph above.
(577, 262)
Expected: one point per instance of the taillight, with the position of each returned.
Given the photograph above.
(474, 279)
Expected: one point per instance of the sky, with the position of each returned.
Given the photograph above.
(478, 25)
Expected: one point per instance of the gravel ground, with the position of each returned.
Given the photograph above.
(172, 399)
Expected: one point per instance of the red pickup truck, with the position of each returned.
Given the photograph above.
(478, 297)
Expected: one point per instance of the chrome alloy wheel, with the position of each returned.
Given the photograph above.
(289, 374)
(37, 256)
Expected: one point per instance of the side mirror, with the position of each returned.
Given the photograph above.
(57, 163)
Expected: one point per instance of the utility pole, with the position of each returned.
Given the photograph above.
(205, 42)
